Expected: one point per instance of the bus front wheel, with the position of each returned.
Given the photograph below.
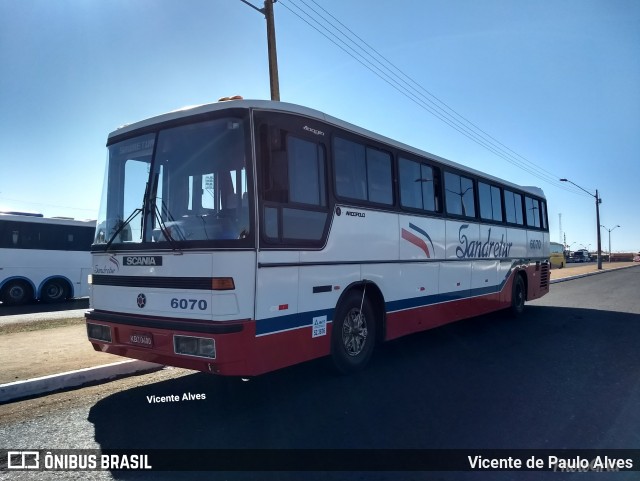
(353, 334)
(55, 290)
(15, 293)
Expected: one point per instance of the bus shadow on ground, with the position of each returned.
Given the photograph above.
(554, 378)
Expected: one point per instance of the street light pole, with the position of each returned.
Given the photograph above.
(598, 224)
(609, 230)
(598, 200)
(267, 11)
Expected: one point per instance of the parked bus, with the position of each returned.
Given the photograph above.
(556, 255)
(45, 259)
(241, 237)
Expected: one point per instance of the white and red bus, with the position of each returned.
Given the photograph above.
(244, 236)
(45, 259)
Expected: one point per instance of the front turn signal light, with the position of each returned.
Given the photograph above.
(222, 284)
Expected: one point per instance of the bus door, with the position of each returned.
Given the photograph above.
(294, 216)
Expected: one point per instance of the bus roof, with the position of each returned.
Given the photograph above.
(21, 217)
(312, 114)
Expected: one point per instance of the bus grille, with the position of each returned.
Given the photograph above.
(544, 276)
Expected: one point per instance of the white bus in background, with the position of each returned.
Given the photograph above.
(45, 259)
(241, 237)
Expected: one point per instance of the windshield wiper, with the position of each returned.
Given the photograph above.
(130, 218)
(166, 232)
(122, 226)
(153, 207)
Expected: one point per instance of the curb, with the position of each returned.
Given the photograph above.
(55, 382)
(587, 274)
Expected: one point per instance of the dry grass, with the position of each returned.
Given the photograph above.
(39, 325)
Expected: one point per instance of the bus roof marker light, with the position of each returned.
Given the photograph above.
(233, 97)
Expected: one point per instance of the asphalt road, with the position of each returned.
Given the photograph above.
(43, 308)
(564, 375)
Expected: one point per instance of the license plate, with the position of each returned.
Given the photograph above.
(144, 339)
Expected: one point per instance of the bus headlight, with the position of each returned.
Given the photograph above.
(195, 346)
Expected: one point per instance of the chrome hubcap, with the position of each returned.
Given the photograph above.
(354, 332)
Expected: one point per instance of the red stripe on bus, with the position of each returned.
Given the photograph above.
(415, 240)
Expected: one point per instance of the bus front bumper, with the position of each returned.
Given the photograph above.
(223, 348)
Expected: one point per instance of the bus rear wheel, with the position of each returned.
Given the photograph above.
(518, 296)
(55, 290)
(353, 334)
(15, 293)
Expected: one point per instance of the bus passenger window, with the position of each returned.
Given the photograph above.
(533, 211)
(417, 185)
(379, 176)
(362, 173)
(490, 203)
(350, 169)
(513, 207)
(306, 172)
(459, 195)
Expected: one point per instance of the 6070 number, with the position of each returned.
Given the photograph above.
(189, 304)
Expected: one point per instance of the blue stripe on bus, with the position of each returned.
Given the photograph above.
(305, 319)
(417, 302)
(290, 321)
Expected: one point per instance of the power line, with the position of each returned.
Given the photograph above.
(443, 112)
(477, 136)
(409, 91)
(430, 94)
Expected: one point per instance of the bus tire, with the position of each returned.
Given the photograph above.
(55, 290)
(518, 296)
(16, 292)
(353, 335)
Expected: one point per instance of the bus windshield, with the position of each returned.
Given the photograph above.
(178, 185)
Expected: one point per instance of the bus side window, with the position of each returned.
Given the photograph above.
(419, 185)
(294, 187)
(513, 207)
(459, 195)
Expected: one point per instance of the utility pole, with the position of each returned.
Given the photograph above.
(271, 45)
(267, 11)
(598, 201)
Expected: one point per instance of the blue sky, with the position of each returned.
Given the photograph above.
(557, 82)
